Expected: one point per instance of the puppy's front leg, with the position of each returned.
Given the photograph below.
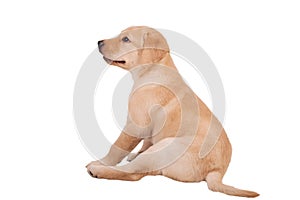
(146, 145)
(120, 149)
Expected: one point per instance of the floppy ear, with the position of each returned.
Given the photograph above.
(154, 39)
(154, 46)
(149, 41)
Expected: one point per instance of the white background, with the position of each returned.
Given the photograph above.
(255, 46)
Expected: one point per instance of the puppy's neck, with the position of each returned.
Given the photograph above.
(167, 61)
(140, 71)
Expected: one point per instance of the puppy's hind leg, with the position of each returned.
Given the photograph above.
(158, 157)
(132, 171)
(113, 173)
(150, 162)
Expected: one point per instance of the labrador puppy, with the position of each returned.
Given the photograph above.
(181, 137)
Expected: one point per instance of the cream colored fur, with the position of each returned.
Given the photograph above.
(183, 140)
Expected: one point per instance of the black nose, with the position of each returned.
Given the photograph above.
(100, 43)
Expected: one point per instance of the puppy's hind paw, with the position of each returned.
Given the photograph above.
(95, 170)
(96, 162)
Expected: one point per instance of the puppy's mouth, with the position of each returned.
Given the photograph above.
(111, 62)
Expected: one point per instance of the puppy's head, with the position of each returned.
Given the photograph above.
(133, 47)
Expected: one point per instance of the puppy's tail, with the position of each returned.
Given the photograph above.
(214, 183)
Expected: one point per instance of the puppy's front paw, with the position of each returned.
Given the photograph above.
(131, 156)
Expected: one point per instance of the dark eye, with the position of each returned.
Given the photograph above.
(125, 39)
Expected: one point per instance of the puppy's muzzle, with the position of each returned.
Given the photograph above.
(100, 44)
